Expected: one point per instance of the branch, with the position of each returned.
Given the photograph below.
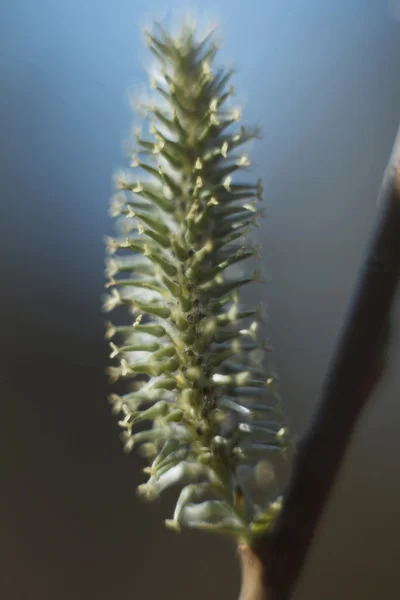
(357, 366)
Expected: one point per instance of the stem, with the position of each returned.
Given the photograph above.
(356, 368)
(252, 571)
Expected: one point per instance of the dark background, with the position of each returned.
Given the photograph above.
(323, 79)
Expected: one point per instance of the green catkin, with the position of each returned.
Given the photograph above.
(189, 345)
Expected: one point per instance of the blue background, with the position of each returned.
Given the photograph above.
(323, 80)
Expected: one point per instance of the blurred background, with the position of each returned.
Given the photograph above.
(323, 80)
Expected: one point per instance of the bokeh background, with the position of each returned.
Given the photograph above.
(323, 80)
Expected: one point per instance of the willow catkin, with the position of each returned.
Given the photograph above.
(187, 215)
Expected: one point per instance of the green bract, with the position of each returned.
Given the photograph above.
(206, 404)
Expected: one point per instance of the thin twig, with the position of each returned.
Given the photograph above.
(357, 366)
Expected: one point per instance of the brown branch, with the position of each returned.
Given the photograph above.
(357, 365)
